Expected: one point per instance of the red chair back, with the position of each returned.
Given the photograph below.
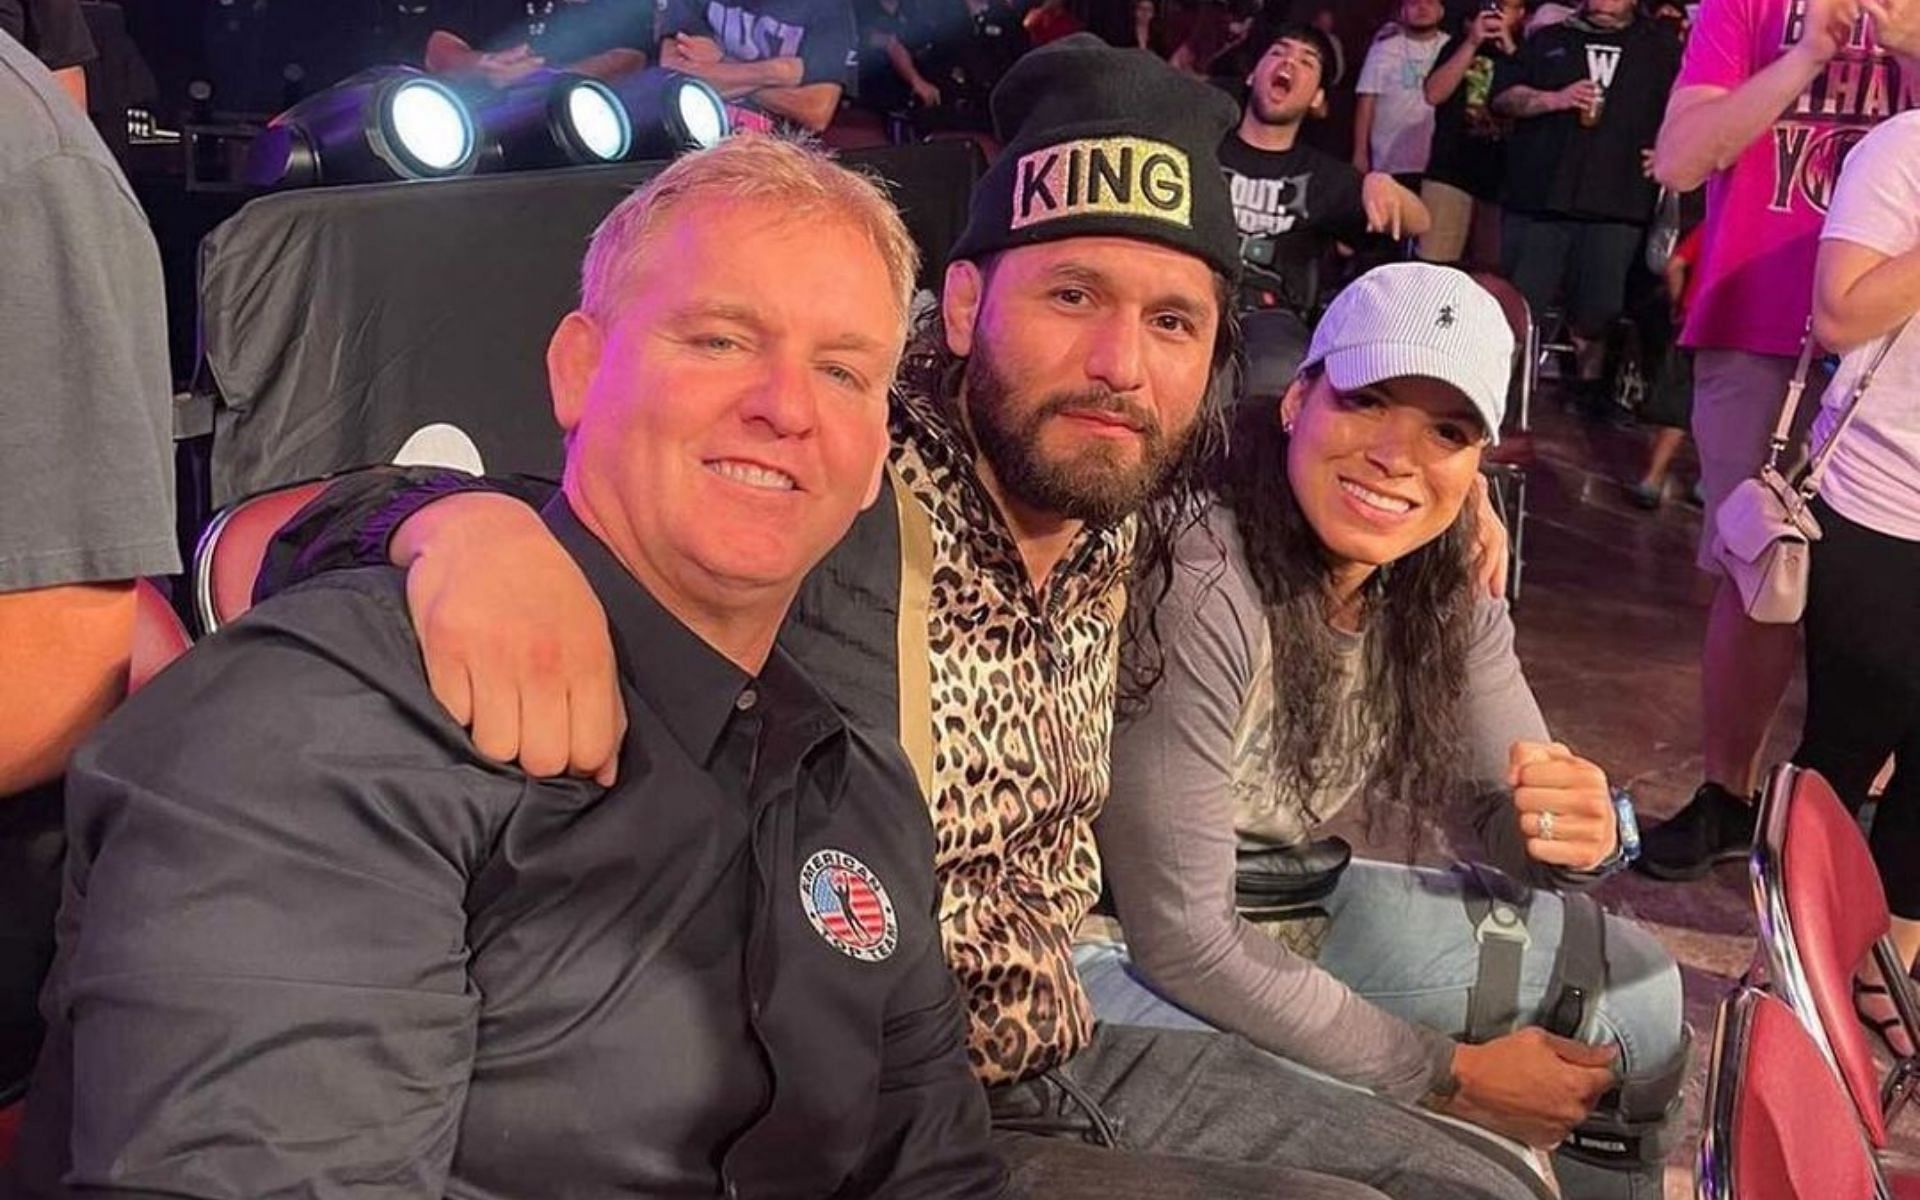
(1778, 1125)
(227, 561)
(158, 635)
(1822, 912)
(1526, 366)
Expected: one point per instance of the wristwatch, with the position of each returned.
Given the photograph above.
(1627, 826)
(1442, 1084)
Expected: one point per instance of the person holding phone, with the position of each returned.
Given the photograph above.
(1468, 165)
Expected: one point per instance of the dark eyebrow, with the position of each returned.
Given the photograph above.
(714, 311)
(859, 343)
(1083, 275)
(1302, 43)
(1464, 411)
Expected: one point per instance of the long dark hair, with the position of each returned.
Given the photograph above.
(931, 368)
(1418, 613)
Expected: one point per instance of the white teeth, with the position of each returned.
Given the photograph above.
(1373, 499)
(753, 476)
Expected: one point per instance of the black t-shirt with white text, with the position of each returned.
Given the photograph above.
(1303, 199)
(820, 33)
(1555, 166)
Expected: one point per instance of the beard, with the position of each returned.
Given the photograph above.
(1097, 483)
(1269, 111)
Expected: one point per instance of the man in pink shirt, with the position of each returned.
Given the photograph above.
(1770, 97)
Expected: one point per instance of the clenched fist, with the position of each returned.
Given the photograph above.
(1582, 831)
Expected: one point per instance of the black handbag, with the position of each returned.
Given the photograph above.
(1278, 877)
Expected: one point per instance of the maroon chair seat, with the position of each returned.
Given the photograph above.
(1823, 916)
(1778, 1125)
(854, 128)
(227, 561)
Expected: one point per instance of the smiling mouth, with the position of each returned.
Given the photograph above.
(753, 475)
(1378, 501)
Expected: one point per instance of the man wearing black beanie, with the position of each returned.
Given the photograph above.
(1046, 437)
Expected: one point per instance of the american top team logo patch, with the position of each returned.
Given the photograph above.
(848, 906)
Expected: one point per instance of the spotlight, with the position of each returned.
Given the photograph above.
(672, 113)
(384, 123)
(554, 119)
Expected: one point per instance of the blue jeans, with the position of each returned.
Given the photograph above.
(1399, 936)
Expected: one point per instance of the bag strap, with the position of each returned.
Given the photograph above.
(1783, 427)
(1817, 465)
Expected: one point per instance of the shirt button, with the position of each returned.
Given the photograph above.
(746, 700)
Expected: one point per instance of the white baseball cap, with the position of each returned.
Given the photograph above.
(1418, 319)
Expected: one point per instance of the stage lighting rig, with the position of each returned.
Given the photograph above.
(554, 119)
(672, 113)
(383, 123)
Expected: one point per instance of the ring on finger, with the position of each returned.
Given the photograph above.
(1546, 825)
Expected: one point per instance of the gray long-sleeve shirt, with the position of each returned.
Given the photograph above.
(1192, 780)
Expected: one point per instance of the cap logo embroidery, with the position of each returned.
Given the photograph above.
(1446, 317)
(1122, 176)
(848, 906)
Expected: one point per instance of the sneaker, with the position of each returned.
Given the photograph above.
(1716, 826)
(1645, 495)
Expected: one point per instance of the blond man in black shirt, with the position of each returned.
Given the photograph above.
(315, 942)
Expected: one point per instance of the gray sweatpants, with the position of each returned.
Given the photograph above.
(1165, 1114)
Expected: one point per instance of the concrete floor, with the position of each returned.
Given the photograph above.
(1610, 622)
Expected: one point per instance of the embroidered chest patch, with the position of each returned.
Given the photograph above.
(848, 906)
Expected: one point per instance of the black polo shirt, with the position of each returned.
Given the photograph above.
(312, 941)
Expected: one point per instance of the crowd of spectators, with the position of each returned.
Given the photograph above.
(1543, 112)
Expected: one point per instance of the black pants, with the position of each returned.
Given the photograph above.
(1863, 687)
(1582, 263)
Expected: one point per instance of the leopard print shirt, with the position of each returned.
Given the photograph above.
(1022, 698)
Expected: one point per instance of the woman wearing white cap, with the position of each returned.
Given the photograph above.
(1323, 645)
